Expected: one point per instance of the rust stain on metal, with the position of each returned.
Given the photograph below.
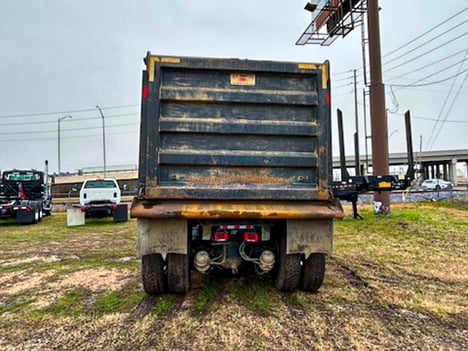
(241, 179)
(323, 183)
(238, 209)
(151, 182)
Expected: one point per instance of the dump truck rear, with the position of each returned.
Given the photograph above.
(234, 171)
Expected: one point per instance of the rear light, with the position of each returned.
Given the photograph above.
(328, 98)
(251, 237)
(145, 91)
(115, 207)
(8, 207)
(237, 226)
(221, 236)
(83, 209)
(25, 208)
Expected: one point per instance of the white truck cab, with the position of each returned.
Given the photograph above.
(100, 191)
(100, 198)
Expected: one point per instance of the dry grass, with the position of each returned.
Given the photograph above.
(395, 282)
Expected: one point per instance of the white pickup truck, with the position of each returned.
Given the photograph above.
(100, 198)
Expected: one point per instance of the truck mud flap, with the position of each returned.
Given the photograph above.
(309, 236)
(25, 217)
(162, 236)
(121, 213)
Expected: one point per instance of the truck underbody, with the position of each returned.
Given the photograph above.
(288, 239)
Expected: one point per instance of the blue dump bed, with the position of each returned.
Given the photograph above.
(231, 129)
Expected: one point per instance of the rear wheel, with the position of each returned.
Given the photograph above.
(152, 273)
(178, 273)
(289, 269)
(36, 217)
(313, 272)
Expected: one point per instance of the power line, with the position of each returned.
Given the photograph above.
(448, 112)
(62, 112)
(425, 53)
(67, 130)
(69, 121)
(429, 64)
(444, 104)
(436, 91)
(401, 86)
(428, 118)
(413, 40)
(342, 79)
(67, 137)
(425, 33)
(425, 43)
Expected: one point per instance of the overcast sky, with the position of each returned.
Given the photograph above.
(69, 56)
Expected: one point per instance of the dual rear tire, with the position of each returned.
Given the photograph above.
(307, 275)
(293, 272)
(159, 276)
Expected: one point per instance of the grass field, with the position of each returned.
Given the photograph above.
(397, 282)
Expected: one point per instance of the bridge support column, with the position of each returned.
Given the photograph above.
(445, 167)
(453, 171)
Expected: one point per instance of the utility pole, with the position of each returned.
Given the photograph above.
(365, 129)
(103, 139)
(379, 129)
(356, 135)
(60, 119)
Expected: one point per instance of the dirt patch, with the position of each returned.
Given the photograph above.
(34, 259)
(13, 283)
(95, 279)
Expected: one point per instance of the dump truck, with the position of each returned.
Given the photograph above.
(235, 169)
(25, 195)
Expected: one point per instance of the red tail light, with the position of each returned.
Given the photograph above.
(221, 236)
(251, 237)
(145, 91)
(25, 208)
(328, 98)
(83, 209)
(115, 207)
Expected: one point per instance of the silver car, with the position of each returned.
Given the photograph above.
(436, 184)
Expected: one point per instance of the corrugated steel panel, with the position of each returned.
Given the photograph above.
(216, 127)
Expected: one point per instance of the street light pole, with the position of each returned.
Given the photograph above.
(103, 138)
(60, 119)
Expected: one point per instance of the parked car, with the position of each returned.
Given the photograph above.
(436, 184)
